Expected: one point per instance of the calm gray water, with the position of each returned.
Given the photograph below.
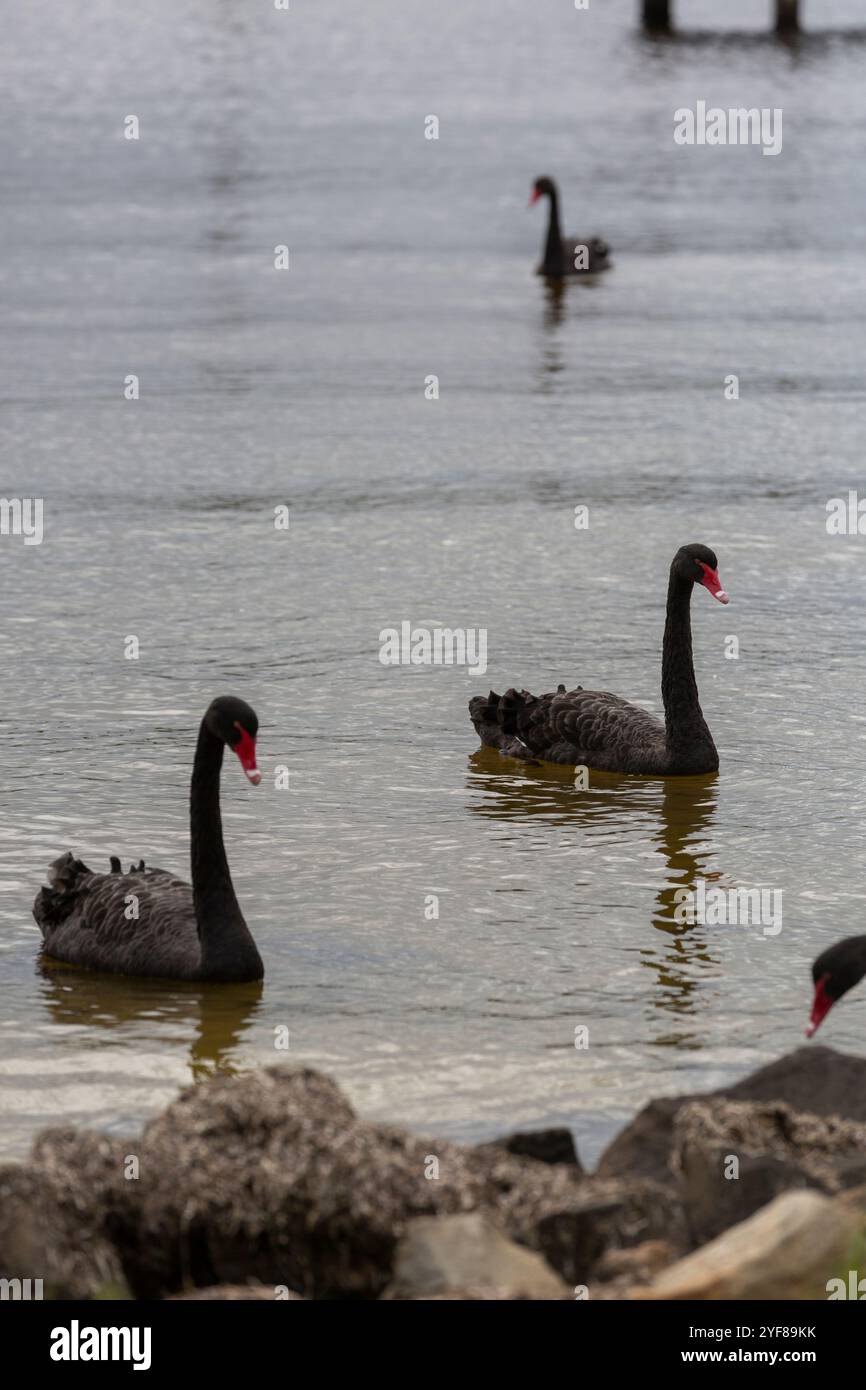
(412, 257)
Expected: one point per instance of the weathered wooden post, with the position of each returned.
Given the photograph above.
(787, 16)
(657, 15)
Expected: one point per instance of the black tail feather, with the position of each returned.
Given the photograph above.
(496, 720)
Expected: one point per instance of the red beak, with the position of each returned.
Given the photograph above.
(712, 582)
(821, 1006)
(246, 751)
(533, 197)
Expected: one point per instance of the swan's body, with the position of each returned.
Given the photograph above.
(578, 727)
(562, 256)
(592, 728)
(148, 921)
(83, 921)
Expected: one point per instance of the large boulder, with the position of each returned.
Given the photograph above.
(734, 1157)
(52, 1230)
(814, 1080)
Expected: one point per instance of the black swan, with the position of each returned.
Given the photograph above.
(591, 728)
(835, 971)
(561, 254)
(89, 919)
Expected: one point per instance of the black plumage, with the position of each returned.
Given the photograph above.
(595, 729)
(148, 921)
(834, 972)
(561, 256)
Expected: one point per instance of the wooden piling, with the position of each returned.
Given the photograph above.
(657, 16)
(787, 16)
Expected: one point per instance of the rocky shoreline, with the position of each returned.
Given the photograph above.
(267, 1185)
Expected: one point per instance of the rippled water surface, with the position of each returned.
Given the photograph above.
(410, 258)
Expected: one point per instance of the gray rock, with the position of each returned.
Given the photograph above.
(544, 1145)
(770, 1149)
(445, 1254)
(787, 1250)
(611, 1215)
(56, 1236)
(714, 1202)
(851, 1171)
(813, 1080)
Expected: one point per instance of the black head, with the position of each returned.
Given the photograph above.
(236, 724)
(542, 188)
(698, 564)
(834, 972)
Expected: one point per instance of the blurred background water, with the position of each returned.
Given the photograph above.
(412, 257)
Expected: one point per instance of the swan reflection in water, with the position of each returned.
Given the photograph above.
(216, 1017)
(555, 354)
(677, 812)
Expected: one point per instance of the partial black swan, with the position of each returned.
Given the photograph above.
(590, 728)
(835, 971)
(148, 922)
(564, 257)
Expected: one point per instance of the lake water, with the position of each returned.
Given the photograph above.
(408, 258)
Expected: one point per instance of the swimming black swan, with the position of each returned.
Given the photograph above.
(561, 254)
(835, 971)
(148, 922)
(590, 728)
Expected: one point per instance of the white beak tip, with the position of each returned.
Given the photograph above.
(254, 775)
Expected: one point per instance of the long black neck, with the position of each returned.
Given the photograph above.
(554, 260)
(690, 743)
(227, 948)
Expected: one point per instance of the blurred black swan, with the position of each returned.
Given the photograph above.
(564, 256)
(148, 922)
(590, 728)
